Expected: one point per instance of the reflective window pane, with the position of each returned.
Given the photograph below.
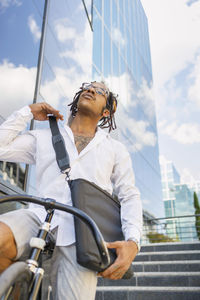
(20, 27)
(132, 80)
(98, 5)
(97, 42)
(115, 66)
(107, 54)
(107, 13)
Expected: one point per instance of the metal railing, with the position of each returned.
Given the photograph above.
(12, 173)
(172, 229)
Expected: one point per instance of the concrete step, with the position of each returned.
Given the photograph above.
(167, 266)
(148, 293)
(171, 246)
(184, 279)
(168, 255)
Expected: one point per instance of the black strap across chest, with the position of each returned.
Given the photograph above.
(62, 156)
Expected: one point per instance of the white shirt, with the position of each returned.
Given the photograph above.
(104, 161)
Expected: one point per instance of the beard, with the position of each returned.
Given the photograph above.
(88, 108)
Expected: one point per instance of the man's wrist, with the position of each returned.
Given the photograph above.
(136, 242)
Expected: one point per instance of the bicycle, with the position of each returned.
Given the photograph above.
(22, 280)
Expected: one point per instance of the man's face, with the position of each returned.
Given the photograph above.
(93, 99)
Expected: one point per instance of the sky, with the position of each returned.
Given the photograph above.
(175, 52)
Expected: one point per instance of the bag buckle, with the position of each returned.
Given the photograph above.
(66, 172)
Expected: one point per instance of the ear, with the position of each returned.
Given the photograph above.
(106, 113)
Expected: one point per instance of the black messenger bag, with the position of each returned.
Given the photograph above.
(94, 201)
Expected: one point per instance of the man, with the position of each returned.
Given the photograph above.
(95, 156)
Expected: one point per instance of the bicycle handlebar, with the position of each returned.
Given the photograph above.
(52, 204)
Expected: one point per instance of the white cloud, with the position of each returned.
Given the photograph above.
(122, 86)
(63, 86)
(34, 28)
(81, 45)
(174, 35)
(6, 3)
(16, 87)
(20, 90)
(64, 33)
(137, 132)
(117, 37)
(77, 47)
(186, 133)
(146, 96)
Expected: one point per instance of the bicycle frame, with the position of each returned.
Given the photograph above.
(37, 243)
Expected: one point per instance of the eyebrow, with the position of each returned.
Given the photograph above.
(101, 88)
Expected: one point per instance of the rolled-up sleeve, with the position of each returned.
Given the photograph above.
(16, 146)
(129, 196)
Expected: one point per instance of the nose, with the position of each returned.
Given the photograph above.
(92, 90)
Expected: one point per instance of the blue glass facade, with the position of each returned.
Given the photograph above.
(121, 58)
(178, 201)
(18, 61)
(184, 200)
(178, 198)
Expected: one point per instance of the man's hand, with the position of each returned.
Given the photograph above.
(126, 252)
(41, 110)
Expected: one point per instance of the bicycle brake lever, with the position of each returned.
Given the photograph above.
(49, 204)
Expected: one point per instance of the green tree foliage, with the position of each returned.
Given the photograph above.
(155, 237)
(197, 212)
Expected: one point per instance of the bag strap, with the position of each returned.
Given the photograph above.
(58, 142)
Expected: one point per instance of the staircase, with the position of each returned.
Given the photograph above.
(164, 271)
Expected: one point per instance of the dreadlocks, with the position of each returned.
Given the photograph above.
(111, 105)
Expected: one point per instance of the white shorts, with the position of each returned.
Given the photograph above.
(24, 224)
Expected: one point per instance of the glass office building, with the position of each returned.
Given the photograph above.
(177, 197)
(184, 206)
(178, 201)
(121, 57)
(116, 51)
(170, 177)
(18, 61)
